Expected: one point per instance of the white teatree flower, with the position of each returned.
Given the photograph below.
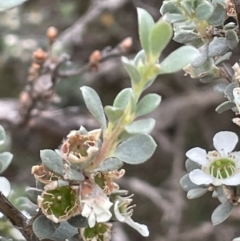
(97, 210)
(5, 188)
(221, 167)
(125, 217)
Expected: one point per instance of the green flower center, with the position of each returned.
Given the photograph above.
(222, 168)
(59, 201)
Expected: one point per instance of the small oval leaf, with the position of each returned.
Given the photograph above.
(196, 193)
(221, 213)
(136, 149)
(227, 105)
(94, 105)
(123, 98)
(113, 113)
(2, 135)
(144, 126)
(5, 160)
(110, 164)
(52, 161)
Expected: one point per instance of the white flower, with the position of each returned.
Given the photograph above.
(5, 188)
(125, 217)
(97, 210)
(221, 167)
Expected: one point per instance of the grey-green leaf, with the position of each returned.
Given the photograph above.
(221, 213)
(33, 193)
(143, 126)
(43, 227)
(147, 104)
(196, 192)
(110, 164)
(227, 105)
(145, 24)
(204, 10)
(136, 149)
(232, 39)
(217, 47)
(131, 70)
(73, 175)
(64, 231)
(2, 135)
(218, 16)
(160, 36)
(8, 4)
(185, 36)
(113, 113)
(191, 165)
(78, 221)
(5, 160)
(123, 98)
(219, 88)
(223, 58)
(52, 161)
(229, 90)
(187, 184)
(94, 105)
(174, 17)
(175, 61)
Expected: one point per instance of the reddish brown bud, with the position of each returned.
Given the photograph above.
(126, 44)
(95, 57)
(52, 33)
(39, 56)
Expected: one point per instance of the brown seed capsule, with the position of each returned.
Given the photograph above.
(39, 56)
(52, 33)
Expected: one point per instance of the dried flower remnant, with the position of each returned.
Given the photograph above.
(106, 180)
(42, 174)
(81, 148)
(59, 203)
(220, 167)
(236, 94)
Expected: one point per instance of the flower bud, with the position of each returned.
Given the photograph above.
(126, 44)
(52, 33)
(39, 56)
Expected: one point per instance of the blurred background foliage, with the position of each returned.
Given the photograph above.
(190, 104)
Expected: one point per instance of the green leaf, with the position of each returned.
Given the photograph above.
(110, 164)
(143, 126)
(140, 57)
(5, 160)
(123, 98)
(147, 104)
(94, 105)
(175, 61)
(185, 36)
(221, 213)
(145, 24)
(33, 193)
(227, 105)
(113, 113)
(187, 184)
(202, 58)
(78, 221)
(160, 36)
(169, 7)
(43, 227)
(52, 161)
(197, 192)
(191, 165)
(217, 47)
(136, 149)
(131, 70)
(232, 39)
(204, 10)
(2, 135)
(221, 194)
(218, 16)
(8, 4)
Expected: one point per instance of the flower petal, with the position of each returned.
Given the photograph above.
(198, 155)
(86, 210)
(236, 156)
(232, 181)
(118, 215)
(225, 142)
(141, 228)
(5, 186)
(199, 177)
(104, 217)
(91, 220)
